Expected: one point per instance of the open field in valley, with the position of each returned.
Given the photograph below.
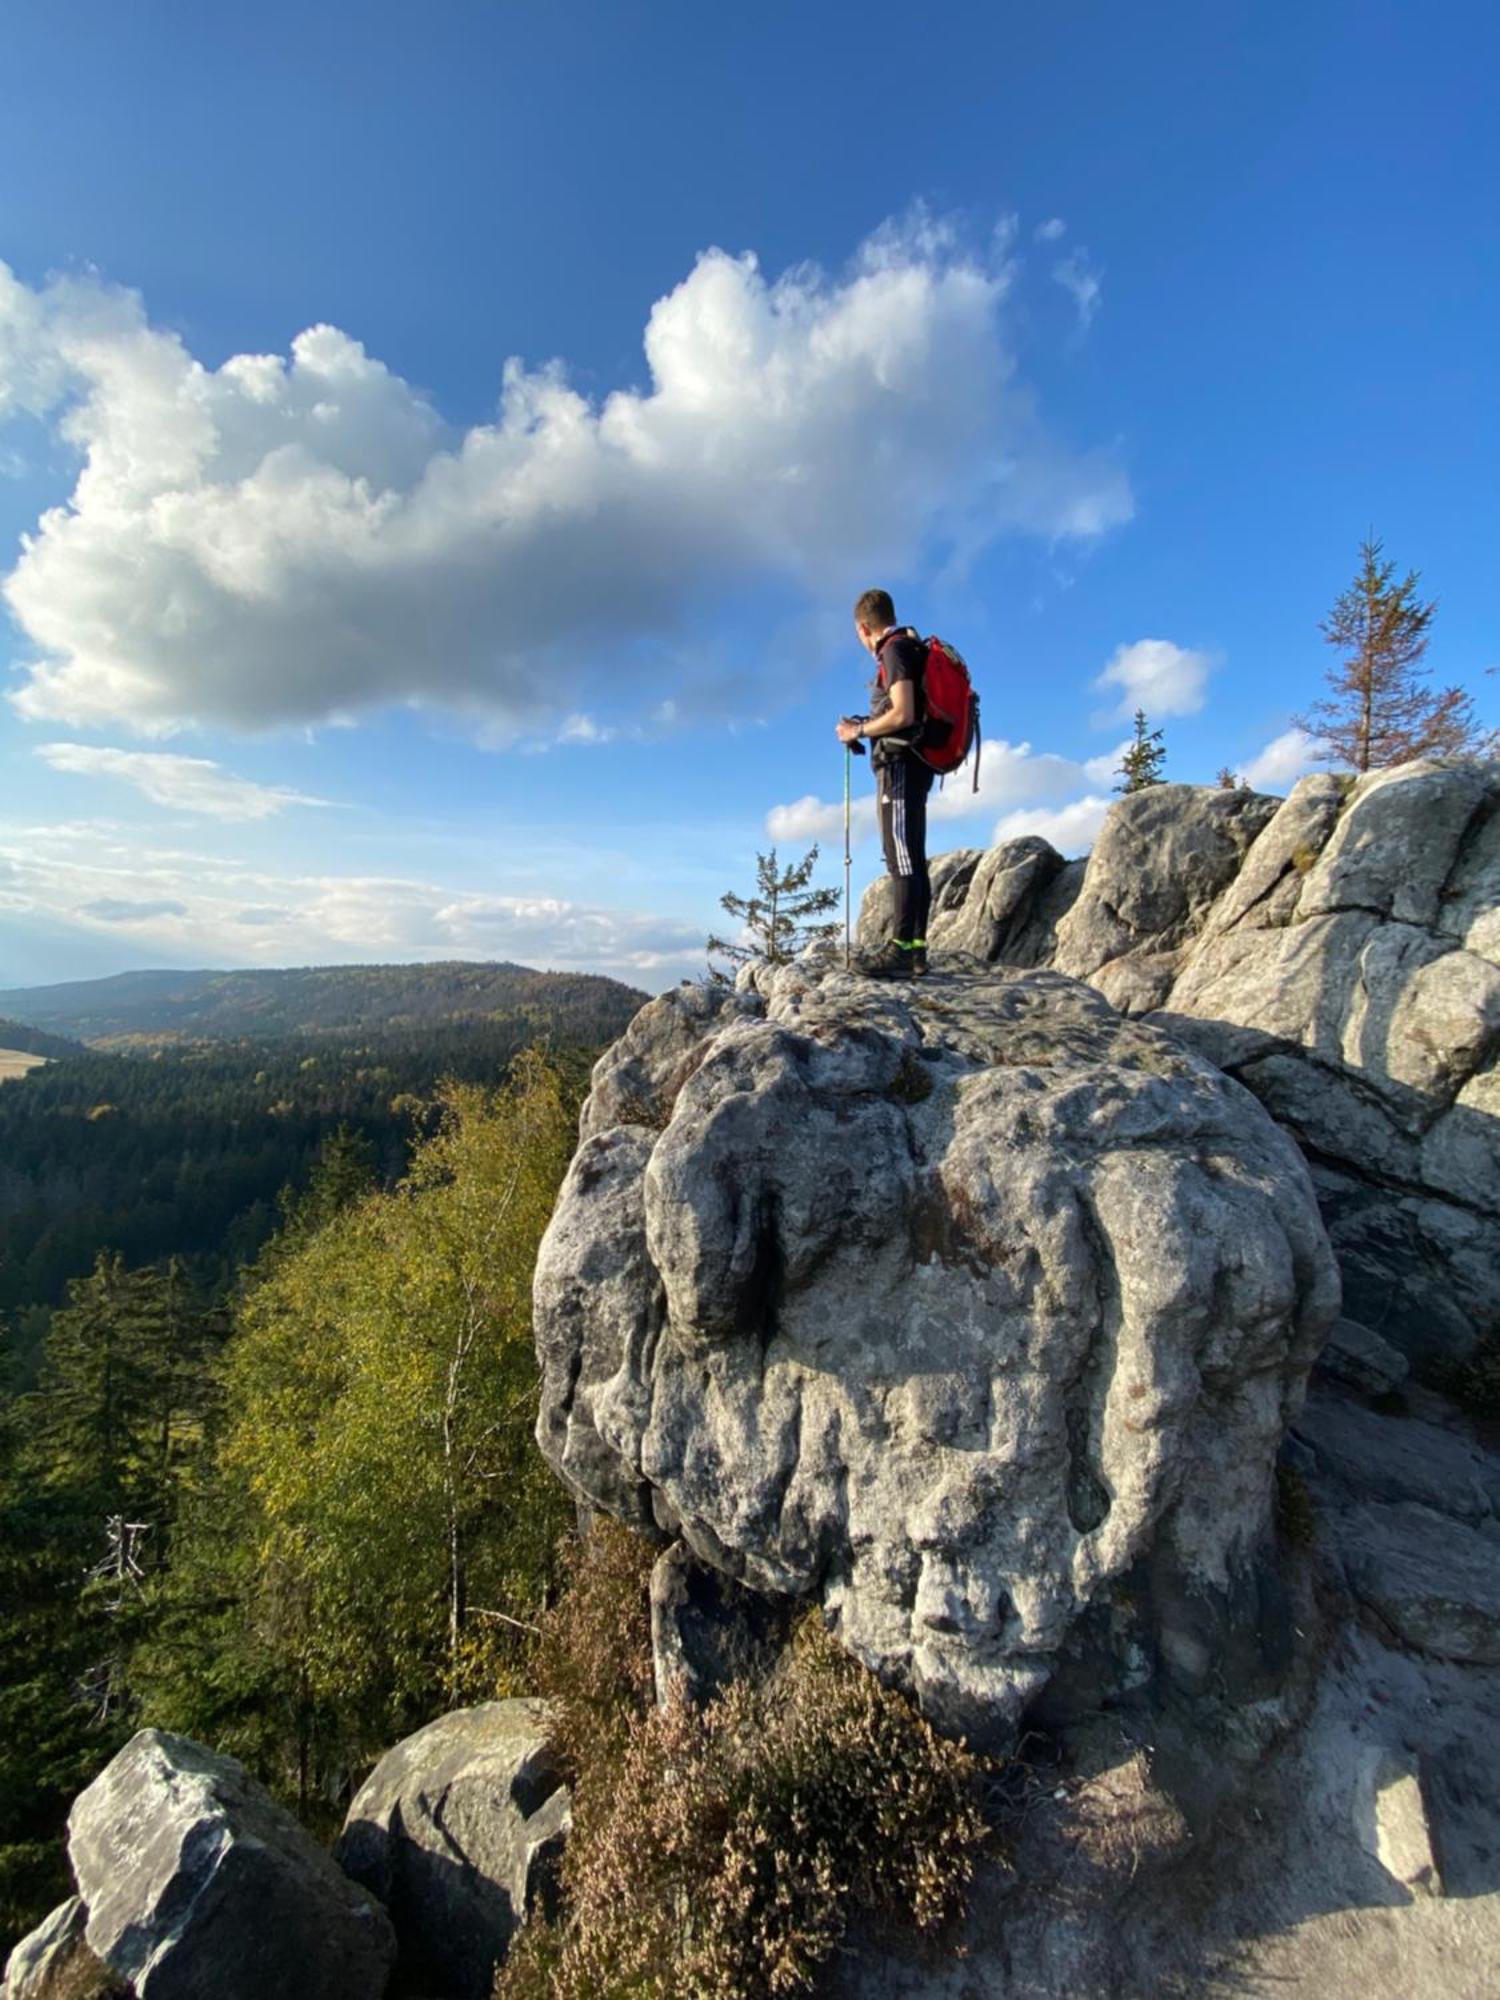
(16, 1062)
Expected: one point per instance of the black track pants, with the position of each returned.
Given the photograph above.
(904, 786)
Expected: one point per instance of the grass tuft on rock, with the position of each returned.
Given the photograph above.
(720, 1853)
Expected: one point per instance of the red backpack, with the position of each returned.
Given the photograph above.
(950, 725)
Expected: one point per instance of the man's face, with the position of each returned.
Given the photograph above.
(866, 636)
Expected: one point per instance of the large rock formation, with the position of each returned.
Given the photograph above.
(198, 1886)
(459, 1831)
(1339, 953)
(975, 1311)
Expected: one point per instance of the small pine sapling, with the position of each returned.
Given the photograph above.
(777, 922)
(1144, 759)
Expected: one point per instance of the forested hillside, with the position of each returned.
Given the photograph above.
(34, 1041)
(217, 1237)
(295, 1520)
(314, 1000)
(175, 1146)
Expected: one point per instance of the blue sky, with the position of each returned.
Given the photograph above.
(439, 447)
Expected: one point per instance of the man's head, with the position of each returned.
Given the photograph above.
(874, 613)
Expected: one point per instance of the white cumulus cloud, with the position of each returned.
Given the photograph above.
(1157, 676)
(1072, 828)
(584, 729)
(301, 538)
(188, 784)
(821, 820)
(1015, 781)
(1285, 759)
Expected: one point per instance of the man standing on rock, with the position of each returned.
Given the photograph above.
(893, 727)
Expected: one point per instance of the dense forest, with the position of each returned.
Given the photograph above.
(160, 1007)
(181, 1147)
(185, 1151)
(265, 1300)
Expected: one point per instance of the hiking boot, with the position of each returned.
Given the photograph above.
(892, 961)
(918, 956)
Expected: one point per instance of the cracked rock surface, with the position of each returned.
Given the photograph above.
(1339, 953)
(951, 1307)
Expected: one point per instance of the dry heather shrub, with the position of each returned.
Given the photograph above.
(593, 1660)
(720, 1852)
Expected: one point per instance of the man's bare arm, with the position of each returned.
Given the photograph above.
(901, 714)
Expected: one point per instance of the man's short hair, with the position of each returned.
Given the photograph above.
(875, 610)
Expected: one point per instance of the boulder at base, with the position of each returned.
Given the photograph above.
(973, 1310)
(199, 1886)
(459, 1830)
(54, 1962)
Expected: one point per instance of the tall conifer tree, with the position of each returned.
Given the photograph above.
(1378, 710)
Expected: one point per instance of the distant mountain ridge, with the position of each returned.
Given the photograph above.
(167, 1006)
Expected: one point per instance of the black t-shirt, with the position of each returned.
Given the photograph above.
(901, 657)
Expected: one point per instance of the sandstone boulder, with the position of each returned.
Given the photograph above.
(54, 1962)
(1401, 1458)
(1393, 848)
(1010, 905)
(1366, 1016)
(1337, 952)
(953, 1308)
(198, 1886)
(1162, 859)
(1362, 1359)
(951, 875)
(459, 1831)
(636, 1079)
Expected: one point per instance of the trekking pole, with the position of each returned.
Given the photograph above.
(848, 859)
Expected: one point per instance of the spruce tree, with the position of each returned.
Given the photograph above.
(775, 922)
(93, 1423)
(1378, 710)
(1144, 758)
